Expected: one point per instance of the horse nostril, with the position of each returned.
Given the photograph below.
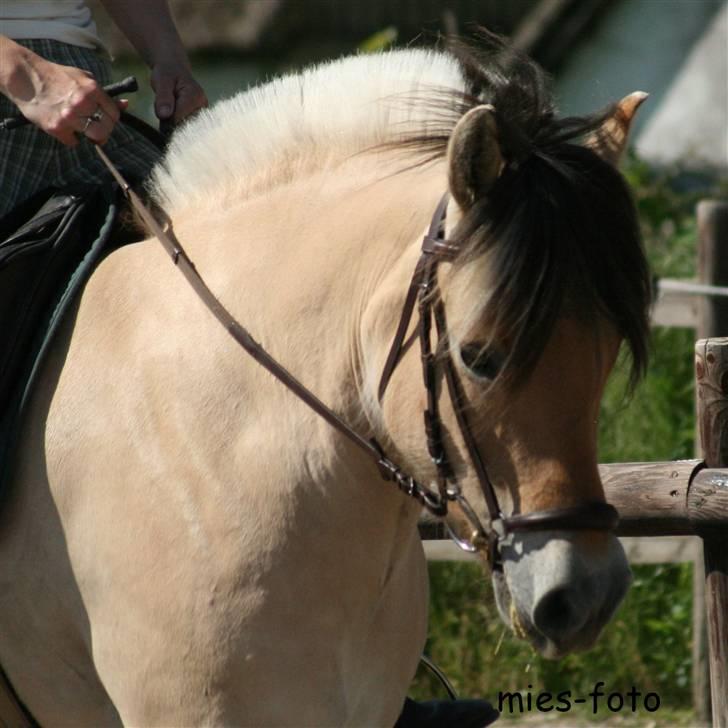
(557, 614)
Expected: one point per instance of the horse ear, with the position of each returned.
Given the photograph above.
(610, 140)
(474, 157)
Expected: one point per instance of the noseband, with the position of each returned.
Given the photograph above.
(423, 291)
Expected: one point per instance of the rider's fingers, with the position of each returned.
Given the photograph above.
(190, 99)
(99, 104)
(108, 106)
(85, 96)
(63, 126)
(164, 96)
(98, 125)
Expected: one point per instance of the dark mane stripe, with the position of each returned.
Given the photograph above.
(560, 224)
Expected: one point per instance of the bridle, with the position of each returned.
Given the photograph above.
(592, 515)
(423, 290)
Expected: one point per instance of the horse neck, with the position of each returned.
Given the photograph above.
(317, 272)
(318, 257)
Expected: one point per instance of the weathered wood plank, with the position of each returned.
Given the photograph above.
(651, 497)
(707, 496)
(708, 503)
(713, 266)
(662, 549)
(715, 551)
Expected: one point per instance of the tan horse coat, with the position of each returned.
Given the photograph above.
(186, 543)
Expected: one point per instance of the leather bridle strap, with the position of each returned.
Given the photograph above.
(591, 516)
(432, 245)
(423, 288)
(457, 397)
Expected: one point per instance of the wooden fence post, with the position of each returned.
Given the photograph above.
(712, 218)
(711, 370)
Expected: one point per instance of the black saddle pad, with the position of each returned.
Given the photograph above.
(48, 248)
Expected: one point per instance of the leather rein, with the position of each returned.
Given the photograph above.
(596, 515)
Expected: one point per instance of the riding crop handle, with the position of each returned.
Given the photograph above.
(128, 85)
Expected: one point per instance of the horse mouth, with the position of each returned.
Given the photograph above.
(524, 630)
(544, 646)
(510, 614)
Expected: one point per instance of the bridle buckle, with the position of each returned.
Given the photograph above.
(478, 539)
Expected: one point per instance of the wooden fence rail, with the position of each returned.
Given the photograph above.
(682, 498)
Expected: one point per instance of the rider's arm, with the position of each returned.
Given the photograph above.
(149, 26)
(59, 99)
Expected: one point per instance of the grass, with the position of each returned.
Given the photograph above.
(646, 646)
(648, 643)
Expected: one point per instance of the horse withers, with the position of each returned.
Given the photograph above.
(186, 543)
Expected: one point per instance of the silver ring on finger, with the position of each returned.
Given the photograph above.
(97, 115)
(89, 120)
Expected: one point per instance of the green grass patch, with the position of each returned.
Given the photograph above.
(646, 645)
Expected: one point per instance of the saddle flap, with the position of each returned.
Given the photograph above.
(47, 225)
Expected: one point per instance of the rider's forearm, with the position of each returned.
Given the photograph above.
(18, 70)
(149, 26)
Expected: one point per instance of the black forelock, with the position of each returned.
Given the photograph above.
(559, 224)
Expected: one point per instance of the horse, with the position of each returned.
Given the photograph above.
(186, 542)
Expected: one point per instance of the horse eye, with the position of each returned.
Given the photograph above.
(482, 362)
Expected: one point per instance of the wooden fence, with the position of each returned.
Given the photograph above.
(690, 497)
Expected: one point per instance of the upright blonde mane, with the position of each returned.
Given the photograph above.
(276, 132)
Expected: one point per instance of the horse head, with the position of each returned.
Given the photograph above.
(549, 279)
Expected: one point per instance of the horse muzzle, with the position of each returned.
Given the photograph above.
(557, 592)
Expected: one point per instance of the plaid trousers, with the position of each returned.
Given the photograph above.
(31, 160)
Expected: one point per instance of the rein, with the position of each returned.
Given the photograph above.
(596, 515)
(387, 468)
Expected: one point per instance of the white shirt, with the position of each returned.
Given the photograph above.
(68, 21)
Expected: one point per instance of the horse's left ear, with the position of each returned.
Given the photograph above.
(474, 158)
(610, 140)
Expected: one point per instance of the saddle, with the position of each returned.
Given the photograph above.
(49, 246)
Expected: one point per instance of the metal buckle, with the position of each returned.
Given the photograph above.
(434, 503)
(478, 539)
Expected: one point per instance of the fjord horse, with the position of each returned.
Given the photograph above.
(186, 543)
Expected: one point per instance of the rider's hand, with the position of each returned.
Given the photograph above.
(177, 94)
(66, 101)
